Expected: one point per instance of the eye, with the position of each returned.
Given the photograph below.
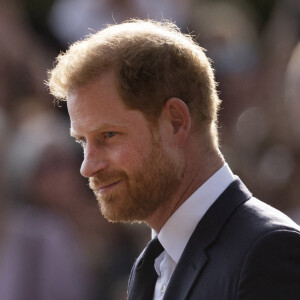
(109, 134)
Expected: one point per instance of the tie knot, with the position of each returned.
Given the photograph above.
(153, 250)
(142, 281)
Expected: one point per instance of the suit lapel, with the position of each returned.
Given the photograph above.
(194, 257)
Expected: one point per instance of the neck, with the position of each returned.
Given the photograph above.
(199, 168)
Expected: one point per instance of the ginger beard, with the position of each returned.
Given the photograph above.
(140, 191)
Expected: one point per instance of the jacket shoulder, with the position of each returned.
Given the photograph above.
(262, 218)
(270, 266)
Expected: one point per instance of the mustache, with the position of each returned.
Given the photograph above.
(101, 179)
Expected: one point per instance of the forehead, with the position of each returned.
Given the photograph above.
(99, 104)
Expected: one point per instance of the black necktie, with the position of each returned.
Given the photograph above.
(144, 276)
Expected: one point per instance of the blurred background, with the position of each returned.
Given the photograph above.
(54, 243)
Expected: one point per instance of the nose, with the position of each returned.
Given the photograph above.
(93, 162)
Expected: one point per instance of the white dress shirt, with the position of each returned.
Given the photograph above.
(176, 232)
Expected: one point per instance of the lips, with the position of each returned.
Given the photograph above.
(103, 182)
(106, 187)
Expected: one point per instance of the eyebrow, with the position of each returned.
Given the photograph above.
(103, 127)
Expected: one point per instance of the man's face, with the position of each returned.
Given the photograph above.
(129, 169)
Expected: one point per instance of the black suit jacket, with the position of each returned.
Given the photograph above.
(241, 249)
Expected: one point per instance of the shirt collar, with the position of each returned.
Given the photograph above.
(176, 232)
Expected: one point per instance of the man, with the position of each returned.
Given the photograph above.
(143, 103)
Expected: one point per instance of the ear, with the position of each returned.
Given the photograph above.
(177, 116)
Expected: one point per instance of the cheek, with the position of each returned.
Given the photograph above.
(130, 156)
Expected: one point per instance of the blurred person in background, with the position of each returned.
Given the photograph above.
(40, 253)
(277, 155)
(291, 95)
(143, 103)
(232, 43)
(23, 60)
(250, 62)
(292, 105)
(72, 20)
